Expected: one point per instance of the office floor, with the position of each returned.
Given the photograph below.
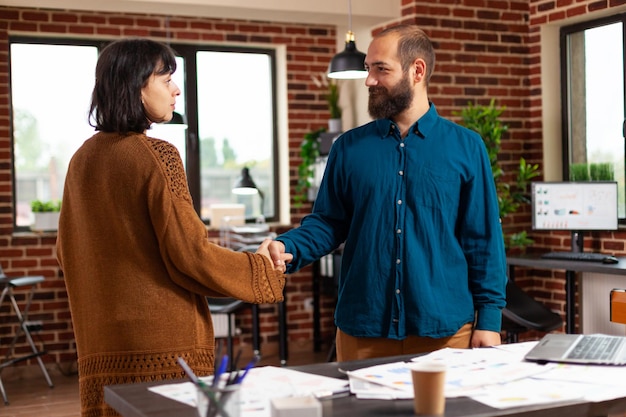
(30, 396)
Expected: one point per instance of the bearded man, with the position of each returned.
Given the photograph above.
(412, 197)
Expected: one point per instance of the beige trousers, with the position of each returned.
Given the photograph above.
(353, 348)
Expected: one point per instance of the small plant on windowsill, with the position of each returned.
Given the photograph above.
(600, 171)
(46, 214)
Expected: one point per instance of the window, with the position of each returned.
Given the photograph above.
(50, 105)
(227, 109)
(593, 102)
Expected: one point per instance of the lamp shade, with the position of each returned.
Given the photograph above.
(349, 64)
(245, 184)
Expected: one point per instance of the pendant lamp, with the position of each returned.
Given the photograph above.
(349, 64)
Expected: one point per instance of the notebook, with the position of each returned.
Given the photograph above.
(599, 349)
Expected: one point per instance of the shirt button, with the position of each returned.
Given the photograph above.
(398, 261)
(399, 201)
(399, 231)
(398, 291)
(402, 145)
(400, 172)
(395, 320)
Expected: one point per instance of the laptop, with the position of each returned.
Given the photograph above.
(598, 349)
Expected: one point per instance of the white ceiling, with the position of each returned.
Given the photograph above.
(365, 13)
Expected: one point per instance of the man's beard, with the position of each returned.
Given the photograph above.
(384, 103)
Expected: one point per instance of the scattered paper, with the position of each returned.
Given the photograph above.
(260, 385)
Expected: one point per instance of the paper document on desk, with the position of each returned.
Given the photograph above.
(469, 371)
(260, 385)
(366, 390)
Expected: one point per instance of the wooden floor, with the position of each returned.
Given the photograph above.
(30, 396)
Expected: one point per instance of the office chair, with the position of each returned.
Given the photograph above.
(523, 313)
(25, 326)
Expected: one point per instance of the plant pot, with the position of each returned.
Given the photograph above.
(334, 125)
(45, 221)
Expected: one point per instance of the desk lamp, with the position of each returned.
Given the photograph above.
(245, 186)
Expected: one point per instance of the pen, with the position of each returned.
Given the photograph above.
(246, 369)
(215, 403)
(189, 372)
(220, 371)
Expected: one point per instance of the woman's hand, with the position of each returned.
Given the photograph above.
(264, 250)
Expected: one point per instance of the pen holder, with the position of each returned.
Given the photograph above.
(219, 401)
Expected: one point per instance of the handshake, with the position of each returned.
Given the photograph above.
(275, 252)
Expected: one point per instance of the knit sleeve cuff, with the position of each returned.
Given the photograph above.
(268, 282)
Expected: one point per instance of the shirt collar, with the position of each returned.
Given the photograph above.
(421, 128)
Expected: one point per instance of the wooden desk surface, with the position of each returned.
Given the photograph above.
(535, 261)
(134, 400)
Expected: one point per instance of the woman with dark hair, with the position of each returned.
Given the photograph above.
(136, 257)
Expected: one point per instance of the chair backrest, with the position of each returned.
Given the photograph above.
(525, 311)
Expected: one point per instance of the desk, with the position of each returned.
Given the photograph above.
(570, 267)
(134, 400)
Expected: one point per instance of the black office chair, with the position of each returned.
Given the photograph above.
(230, 306)
(523, 313)
(25, 327)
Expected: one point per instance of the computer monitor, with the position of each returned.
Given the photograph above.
(574, 206)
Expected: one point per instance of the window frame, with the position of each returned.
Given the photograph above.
(564, 33)
(188, 53)
(192, 141)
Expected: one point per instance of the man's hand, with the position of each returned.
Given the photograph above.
(278, 255)
(485, 338)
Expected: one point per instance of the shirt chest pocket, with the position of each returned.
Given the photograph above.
(434, 187)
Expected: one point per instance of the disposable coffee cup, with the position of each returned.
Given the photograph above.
(428, 388)
(219, 401)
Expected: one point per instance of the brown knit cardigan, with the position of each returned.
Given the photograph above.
(138, 265)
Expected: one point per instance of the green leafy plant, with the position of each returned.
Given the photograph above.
(595, 171)
(485, 120)
(579, 172)
(39, 206)
(601, 171)
(332, 94)
(309, 151)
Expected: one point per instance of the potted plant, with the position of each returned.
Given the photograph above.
(485, 121)
(46, 215)
(332, 99)
(600, 171)
(309, 151)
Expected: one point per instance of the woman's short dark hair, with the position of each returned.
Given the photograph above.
(122, 70)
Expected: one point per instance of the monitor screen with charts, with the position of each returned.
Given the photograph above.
(574, 206)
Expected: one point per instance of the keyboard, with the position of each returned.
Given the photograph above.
(577, 256)
(595, 348)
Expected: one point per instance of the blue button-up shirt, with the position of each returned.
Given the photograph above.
(424, 251)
